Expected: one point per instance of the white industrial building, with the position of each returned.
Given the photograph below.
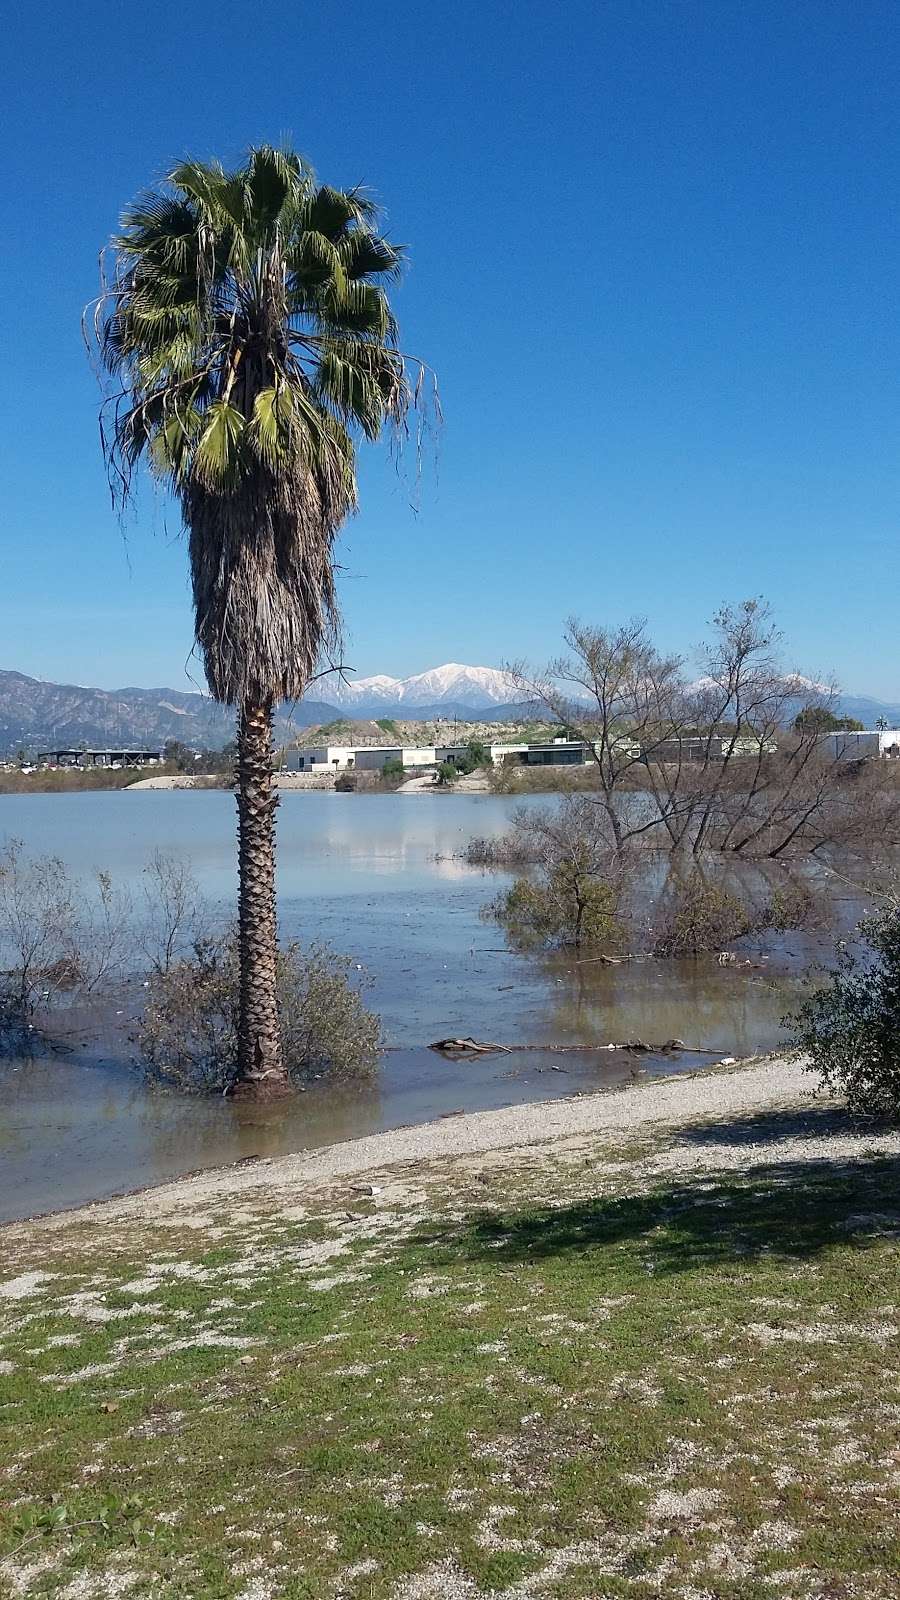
(871, 744)
(372, 757)
(368, 757)
(497, 752)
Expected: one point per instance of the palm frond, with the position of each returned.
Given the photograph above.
(366, 255)
(334, 211)
(273, 425)
(218, 460)
(249, 341)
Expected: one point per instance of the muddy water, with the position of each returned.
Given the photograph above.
(379, 877)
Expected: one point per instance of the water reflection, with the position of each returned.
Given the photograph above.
(381, 878)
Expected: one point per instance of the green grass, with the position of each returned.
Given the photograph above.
(558, 1374)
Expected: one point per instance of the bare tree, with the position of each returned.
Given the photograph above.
(102, 934)
(174, 909)
(37, 922)
(616, 692)
(720, 763)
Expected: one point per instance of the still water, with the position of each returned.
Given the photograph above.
(380, 878)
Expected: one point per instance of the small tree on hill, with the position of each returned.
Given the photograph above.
(819, 719)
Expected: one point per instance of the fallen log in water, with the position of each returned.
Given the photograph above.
(459, 1047)
(606, 961)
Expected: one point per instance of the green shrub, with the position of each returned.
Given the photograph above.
(393, 768)
(701, 916)
(792, 905)
(850, 1029)
(447, 772)
(564, 905)
(187, 1035)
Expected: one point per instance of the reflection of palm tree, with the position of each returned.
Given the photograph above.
(251, 341)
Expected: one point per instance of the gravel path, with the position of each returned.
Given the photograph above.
(763, 1110)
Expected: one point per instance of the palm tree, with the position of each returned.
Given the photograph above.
(248, 342)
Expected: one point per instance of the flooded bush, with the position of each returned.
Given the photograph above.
(174, 912)
(38, 921)
(850, 1029)
(564, 906)
(58, 934)
(573, 895)
(590, 887)
(707, 911)
(701, 916)
(510, 850)
(793, 905)
(59, 939)
(187, 1035)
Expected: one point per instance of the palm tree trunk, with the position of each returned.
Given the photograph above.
(261, 1072)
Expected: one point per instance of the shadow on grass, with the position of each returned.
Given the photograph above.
(789, 1210)
(825, 1121)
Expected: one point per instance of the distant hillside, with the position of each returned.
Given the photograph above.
(438, 711)
(37, 715)
(487, 725)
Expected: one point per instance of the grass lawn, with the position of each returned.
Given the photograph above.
(594, 1371)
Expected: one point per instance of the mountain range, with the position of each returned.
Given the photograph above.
(453, 684)
(36, 715)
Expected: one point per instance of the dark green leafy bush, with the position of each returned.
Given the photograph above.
(850, 1029)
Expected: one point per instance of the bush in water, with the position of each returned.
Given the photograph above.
(187, 1035)
(56, 934)
(700, 914)
(566, 904)
(850, 1029)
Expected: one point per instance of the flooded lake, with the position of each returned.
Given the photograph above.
(380, 878)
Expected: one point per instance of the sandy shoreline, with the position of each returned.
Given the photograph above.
(312, 782)
(758, 1086)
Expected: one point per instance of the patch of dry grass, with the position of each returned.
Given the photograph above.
(581, 1371)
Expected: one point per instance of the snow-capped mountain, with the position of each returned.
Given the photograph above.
(453, 683)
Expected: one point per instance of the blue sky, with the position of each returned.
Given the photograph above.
(655, 258)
